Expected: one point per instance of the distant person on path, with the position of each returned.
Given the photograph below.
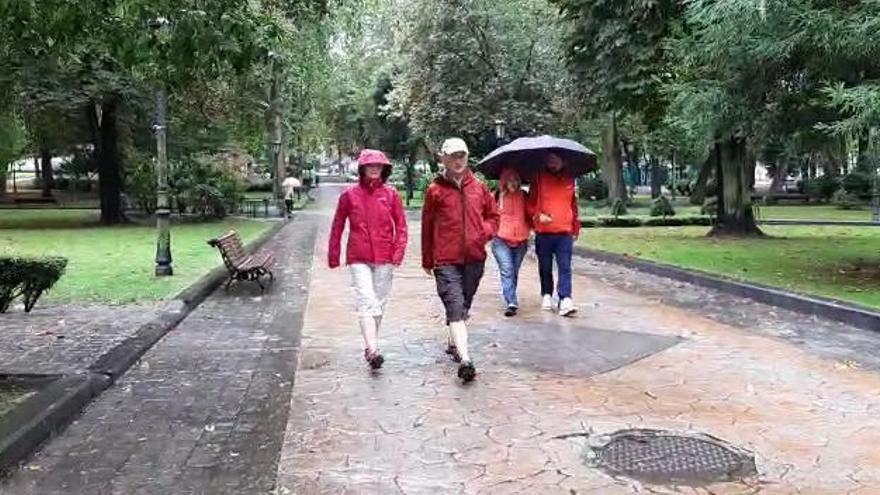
(512, 241)
(291, 187)
(458, 218)
(553, 210)
(377, 237)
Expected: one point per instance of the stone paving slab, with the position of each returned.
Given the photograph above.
(66, 338)
(780, 385)
(205, 409)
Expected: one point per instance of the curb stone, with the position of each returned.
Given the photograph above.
(51, 409)
(849, 314)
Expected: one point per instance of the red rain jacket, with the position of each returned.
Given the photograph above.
(376, 225)
(457, 222)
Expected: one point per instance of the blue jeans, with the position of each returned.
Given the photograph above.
(548, 246)
(509, 261)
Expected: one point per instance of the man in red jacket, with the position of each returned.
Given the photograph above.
(458, 219)
(552, 206)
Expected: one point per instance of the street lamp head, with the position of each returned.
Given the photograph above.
(499, 129)
(276, 147)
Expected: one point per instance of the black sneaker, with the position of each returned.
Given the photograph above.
(374, 359)
(467, 372)
(453, 353)
(510, 311)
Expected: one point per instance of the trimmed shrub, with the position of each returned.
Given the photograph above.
(845, 200)
(821, 188)
(857, 184)
(618, 208)
(589, 223)
(679, 221)
(28, 277)
(592, 188)
(662, 207)
(619, 222)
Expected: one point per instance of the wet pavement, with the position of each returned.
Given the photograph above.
(271, 395)
(662, 355)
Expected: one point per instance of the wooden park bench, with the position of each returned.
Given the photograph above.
(242, 266)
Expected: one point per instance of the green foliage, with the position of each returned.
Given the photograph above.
(619, 221)
(662, 207)
(627, 221)
(857, 184)
(141, 182)
(679, 221)
(618, 207)
(199, 187)
(469, 63)
(29, 278)
(822, 188)
(845, 200)
(13, 138)
(592, 187)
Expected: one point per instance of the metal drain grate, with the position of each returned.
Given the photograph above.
(654, 455)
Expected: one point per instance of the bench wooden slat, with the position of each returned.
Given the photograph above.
(239, 263)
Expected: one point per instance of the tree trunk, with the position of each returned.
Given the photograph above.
(735, 214)
(273, 131)
(410, 177)
(106, 140)
(656, 178)
(780, 173)
(612, 165)
(698, 195)
(862, 162)
(48, 178)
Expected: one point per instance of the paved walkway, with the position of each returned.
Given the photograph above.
(204, 411)
(214, 409)
(644, 353)
(65, 338)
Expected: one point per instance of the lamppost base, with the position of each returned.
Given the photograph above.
(164, 271)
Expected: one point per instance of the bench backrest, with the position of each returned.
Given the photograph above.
(231, 249)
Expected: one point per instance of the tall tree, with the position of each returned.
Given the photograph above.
(615, 50)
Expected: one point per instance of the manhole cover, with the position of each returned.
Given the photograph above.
(659, 456)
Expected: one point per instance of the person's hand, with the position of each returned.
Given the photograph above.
(544, 218)
(429, 271)
(575, 237)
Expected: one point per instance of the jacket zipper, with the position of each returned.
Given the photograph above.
(463, 224)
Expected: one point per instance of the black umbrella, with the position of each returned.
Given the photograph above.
(528, 155)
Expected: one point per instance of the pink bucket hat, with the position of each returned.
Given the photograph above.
(372, 157)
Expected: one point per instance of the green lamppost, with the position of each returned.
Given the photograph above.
(163, 210)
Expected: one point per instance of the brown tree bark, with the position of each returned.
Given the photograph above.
(612, 165)
(735, 214)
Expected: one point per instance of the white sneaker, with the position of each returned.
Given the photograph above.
(567, 307)
(547, 303)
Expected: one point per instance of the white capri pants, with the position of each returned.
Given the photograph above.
(372, 284)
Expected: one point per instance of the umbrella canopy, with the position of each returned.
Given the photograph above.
(529, 154)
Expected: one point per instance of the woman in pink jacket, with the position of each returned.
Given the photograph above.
(376, 243)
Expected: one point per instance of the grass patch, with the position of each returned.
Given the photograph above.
(114, 264)
(837, 262)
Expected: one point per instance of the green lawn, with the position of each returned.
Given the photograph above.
(114, 264)
(838, 262)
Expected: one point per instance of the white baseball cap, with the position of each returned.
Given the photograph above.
(453, 145)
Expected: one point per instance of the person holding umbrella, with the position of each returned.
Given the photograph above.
(459, 218)
(550, 165)
(552, 206)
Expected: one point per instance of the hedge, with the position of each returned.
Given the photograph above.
(28, 277)
(699, 220)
